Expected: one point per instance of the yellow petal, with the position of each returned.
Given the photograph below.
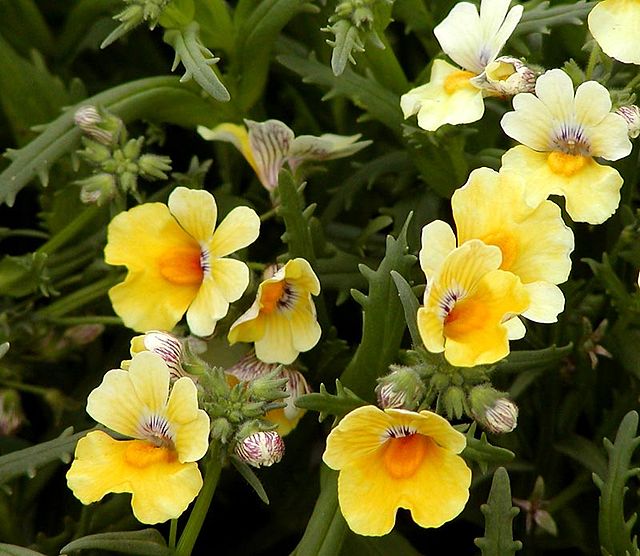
(305, 330)
(162, 487)
(231, 133)
(239, 228)
(438, 240)
(515, 328)
(208, 307)
(191, 425)
(231, 278)
(547, 302)
(614, 24)
(247, 327)
(276, 343)
(530, 123)
(300, 272)
(431, 328)
(195, 210)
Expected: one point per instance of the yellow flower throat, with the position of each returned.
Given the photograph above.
(402, 456)
(182, 266)
(457, 80)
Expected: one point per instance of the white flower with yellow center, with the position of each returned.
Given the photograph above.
(614, 24)
(472, 40)
(561, 135)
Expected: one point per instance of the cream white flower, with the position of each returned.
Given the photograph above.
(614, 24)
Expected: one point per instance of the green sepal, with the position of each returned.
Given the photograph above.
(251, 478)
(482, 452)
(615, 530)
(527, 360)
(147, 542)
(498, 516)
(197, 60)
(29, 460)
(338, 404)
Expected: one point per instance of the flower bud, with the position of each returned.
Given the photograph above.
(97, 189)
(98, 125)
(453, 401)
(402, 388)
(11, 413)
(221, 429)
(166, 346)
(631, 115)
(493, 410)
(261, 449)
(153, 166)
(506, 76)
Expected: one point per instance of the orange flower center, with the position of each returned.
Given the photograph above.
(182, 266)
(271, 294)
(507, 244)
(565, 164)
(144, 454)
(465, 316)
(457, 80)
(404, 455)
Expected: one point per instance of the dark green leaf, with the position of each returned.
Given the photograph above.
(251, 478)
(147, 542)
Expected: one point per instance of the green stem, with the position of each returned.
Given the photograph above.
(173, 531)
(632, 84)
(201, 507)
(23, 233)
(74, 321)
(268, 215)
(29, 388)
(71, 230)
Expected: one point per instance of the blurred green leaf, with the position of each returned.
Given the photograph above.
(338, 404)
(147, 542)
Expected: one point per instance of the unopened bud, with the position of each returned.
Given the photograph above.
(11, 413)
(631, 115)
(166, 346)
(402, 388)
(506, 76)
(221, 429)
(453, 401)
(493, 410)
(261, 449)
(154, 166)
(97, 189)
(98, 125)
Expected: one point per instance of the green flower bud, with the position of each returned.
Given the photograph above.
(153, 166)
(453, 400)
(402, 388)
(97, 189)
(221, 429)
(492, 409)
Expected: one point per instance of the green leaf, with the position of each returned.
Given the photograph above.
(20, 276)
(251, 478)
(366, 93)
(410, 304)
(542, 17)
(520, 361)
(338, 404)
(147, 542)
(13, 550)
(216, 26)
(609, 279)
(29, 460)
(615, 530)
(383, 317)
(161, 99)
(347, 39)
(24, 27)
(498, 514)
(583, 451)
(483, 452)
(197, 60)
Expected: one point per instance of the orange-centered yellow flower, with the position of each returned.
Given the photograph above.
(157, 466)
(472, 40)
(534, 242)
(397, 459)
(561, 134)
(177, 261)
(282, 320)
(469, 304)
(614, 24)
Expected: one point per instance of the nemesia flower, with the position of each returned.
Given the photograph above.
(261, 449)
(472, 40)
(177, 261)
(168, 436)
(397, 459)
(469, 304)
(534, 241)
(282, 320)
(287, 417)
(268, 145)
(614, 24)
(561, 134)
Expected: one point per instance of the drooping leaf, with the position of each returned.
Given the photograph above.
(251, 478)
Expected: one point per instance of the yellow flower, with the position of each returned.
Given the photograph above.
(250, 368)
(472, 40)
(176, 258)
(469, 303)
(158, 466)
(560, 135)
(614, 24)
(282, 320)
(397, 459)
(534, 241)
(268, 145)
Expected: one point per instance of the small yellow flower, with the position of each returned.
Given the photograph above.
(268, 145)
(158, 466)
(561, 134)
(177, 261)
(473, 40)
(397, 459)
(282, 320)
(469, 303)
(534, 241)
(614, 24)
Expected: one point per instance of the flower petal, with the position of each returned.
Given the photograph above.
(305, 330)
(530, 123)
(195, 210)
(547, 302)
(270, 142)
(239, 228)
(190, 424)
(231, 133)
(515, 328)
(231, 278)
(438, 240)
(610, 139)
(208, 307)
(276, 344)
(614, 24)
(431, 328)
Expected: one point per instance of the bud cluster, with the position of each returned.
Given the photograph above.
(117, 161)
(135, 12)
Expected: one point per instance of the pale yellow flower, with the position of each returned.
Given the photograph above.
(268, 145)
(469, 303)
(177, 261)
(534, 241)
(561, 134)
(397, 459)
(614, 24)
(473, 40)
(168, 436)
(282, 320)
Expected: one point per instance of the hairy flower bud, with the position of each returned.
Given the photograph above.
(493, 410)
(97, 189)
(98, 125)
(631, 115)
(261, 449)
(401, 388)
(506, 76)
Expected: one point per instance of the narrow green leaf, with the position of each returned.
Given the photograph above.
(251, 478)
(29, 460)
(520, 361)
(13, 550)
(24, 27)
(542, 17)
(338, 404)
(410, 304)
(585, 452)
(346, 41)
(498, 514)
(614, 529)
(147, 542)
(607, 276)
(483, 452)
